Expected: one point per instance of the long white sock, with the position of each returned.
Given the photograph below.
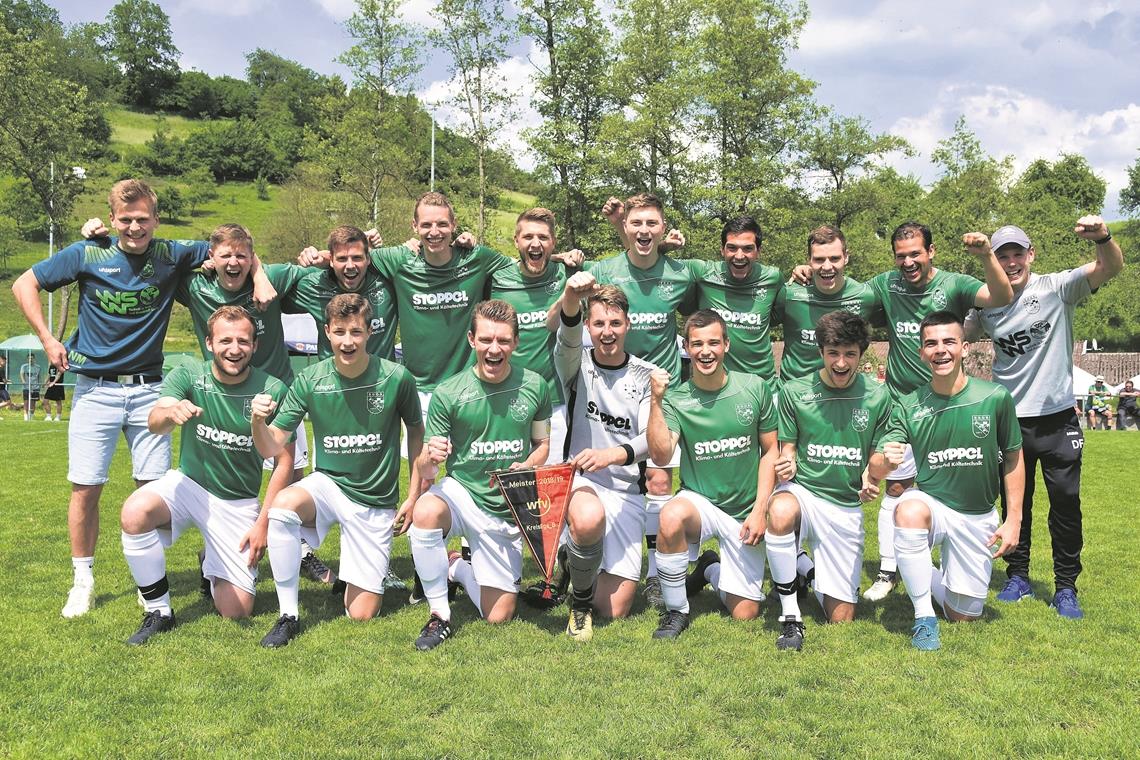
(694, 552)
(712, 575)
(887, 562)
(938, 588)
(285, 552)
(82, 571)
(781, 552)
(147, 560)
(429, 554)
(671, 570)
(653, 506)
(805, 566)
(912, 549)
(461, 570)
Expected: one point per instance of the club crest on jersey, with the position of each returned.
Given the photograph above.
(1031, 303)
(938, 298)
(552, 287)
(519, 410)
(980, 425)
(759, 291)
(664, 289)
(148, 295)
(374, 400)
(247, 409)
(746, 413)
(859, 419)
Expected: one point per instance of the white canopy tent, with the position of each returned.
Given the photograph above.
(300, 333)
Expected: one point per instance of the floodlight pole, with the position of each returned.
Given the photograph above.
(51, 243)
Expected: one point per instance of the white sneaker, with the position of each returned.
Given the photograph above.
(79, 599)
(27, 417)
(883, 585)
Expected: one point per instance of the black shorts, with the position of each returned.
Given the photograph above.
(54, 393)
(35, 394)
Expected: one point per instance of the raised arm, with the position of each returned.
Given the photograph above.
(1109, 258)
(662, 441)
(268, 440)
(168, 413)
(996, 291)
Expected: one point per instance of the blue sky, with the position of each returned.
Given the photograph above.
(1034, 79)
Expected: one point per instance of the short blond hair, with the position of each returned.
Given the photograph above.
(231, 233)
(495, 310)
(433, 199)
(128, 191)
(644, 200)
(537, 214)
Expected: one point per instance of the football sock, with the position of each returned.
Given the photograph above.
(694, 552)
(671, 570)
(147, 560)
(912, 550)
(781, 552)
(461, 570)
(653, 506)
(285, 551)
(938, 588)
(429, 554)
(83, 570)
(583, 562)
(712, 575)
(306, 550)
(887, 561)
(805, 566)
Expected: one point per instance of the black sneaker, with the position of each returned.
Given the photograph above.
(562, 584)
(283, 631)
(543, 596)
(153, 622)
(434, 633)
(318, 571)
(671, 624)
(696, 580)
(203, 582)
(792, 637)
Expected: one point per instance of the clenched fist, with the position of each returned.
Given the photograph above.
(579, 286)
(658, 383)
(184, 411)
(261, 407)
(1091, 228)
(894, 452)
(976, 243)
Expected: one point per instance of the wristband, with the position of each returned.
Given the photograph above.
(628, 453)
(1103, 240)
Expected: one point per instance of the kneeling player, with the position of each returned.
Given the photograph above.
(961, 429)
(607, 393)
(215, 488)
(487, 418)
(830, 422)
(356, 401)
(725, 423)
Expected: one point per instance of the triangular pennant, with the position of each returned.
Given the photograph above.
(538, 500)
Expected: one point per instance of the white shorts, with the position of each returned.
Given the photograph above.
(222, 522)
(496, 545)
(742, 567)
(966, 559)
(300, 452)
(907, 470)
(625, 529)
(425, 399)
(365, 532)
(557, 434)
(834, 534)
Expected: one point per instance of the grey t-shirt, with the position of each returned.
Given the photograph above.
(1033, 341)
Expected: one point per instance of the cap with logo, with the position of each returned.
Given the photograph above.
(1009, 234)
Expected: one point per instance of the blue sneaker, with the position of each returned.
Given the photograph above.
(924, 635)
(1015, 589)
(1066, 604)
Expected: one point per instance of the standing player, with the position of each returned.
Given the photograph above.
(725, 424)
(53, 393)
(830, 423)
(356, 401)
(608, 410)
(126, 290)
(1033, 359)
(5, 397)
(30, 374)
(801, 306)
(216, 484)
(962, 431)
(907, 294)
(490, 417)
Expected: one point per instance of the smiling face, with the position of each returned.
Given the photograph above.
(348, 337)
(232, 342)
(707, 346)
(644, 228)
(915, 262)
(232, 262)
(1016, 262)
(740, 252)
(943, 347)
(535, 242)
(607, 326)
(134, 223)
(348, 264)
(434, 226)
(840, 364)
(827, 262)
(494, 342)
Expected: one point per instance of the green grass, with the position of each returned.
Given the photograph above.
(1021, 683)
(135, 127)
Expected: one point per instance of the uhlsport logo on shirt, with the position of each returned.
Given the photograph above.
(745, 414)
(980, 424)
(859, 419)
(374, 401)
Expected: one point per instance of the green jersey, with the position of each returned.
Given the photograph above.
(905, 307)
(958, 441)
(532, 298)
(319, 286)
(436, 304)
(719, 435)
(356, 425)
(835, 430)
(655, 295)
(217, 448)
(202, 294)
(801, 306)
(489, 425)
(746, 307)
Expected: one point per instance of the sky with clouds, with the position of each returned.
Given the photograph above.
(1033, 79)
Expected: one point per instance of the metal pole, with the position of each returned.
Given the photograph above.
(433, 153)
(51, 244)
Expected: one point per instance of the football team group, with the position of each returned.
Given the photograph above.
(515, 363)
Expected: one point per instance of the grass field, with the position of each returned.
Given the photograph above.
(1021, 683)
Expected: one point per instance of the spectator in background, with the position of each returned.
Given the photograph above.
(30, 378)
(5, 398)
(881, 373)
(53, 392)
(1126, 409)
(1100, 411)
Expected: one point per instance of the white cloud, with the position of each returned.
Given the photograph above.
(338, 9)
(235, 8)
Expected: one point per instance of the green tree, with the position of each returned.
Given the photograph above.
(163, 152)
(30, 19)
(1130, 195)
(139, 40)
(385, 56)
(474, 34)
(171, 202)
(200, 188)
